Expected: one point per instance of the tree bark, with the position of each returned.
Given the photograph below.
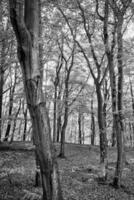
(119, 121)
(55, 113)
(1, 82)
(25, 124)
(109, 48)
(63, 129)
(102, 128)
(15, 122)
(92, 124)
(2, 62)
(80, 127)
(27, 32)
(132, 99)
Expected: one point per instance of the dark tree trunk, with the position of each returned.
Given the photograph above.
(102, 128)
(27, 31)
(55, 113)
(63, 129)
(119, 121)
(56, 84)
(59, 116)
(79, 128)
(92, 124)
(109, 48)
(25, 124)
(106, 97)
(58, 128)
(68, 68)
(113, 95)
(132, 99)
(82, 129)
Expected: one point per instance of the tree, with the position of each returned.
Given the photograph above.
(92, 122)
(97, 71)
(27, 31)
(110, 43)
(56, 84)
(119, 10)
(69, 63)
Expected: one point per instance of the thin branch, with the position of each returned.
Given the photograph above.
(97, 11)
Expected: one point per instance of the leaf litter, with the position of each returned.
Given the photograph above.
(78, 174)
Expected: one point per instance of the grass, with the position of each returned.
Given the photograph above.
(79, 182)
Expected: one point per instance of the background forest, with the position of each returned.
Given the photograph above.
(85, 72)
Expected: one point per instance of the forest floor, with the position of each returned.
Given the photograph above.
(78, 174)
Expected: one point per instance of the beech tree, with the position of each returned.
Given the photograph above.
(110, 43)
(119, 10)
(25, 21)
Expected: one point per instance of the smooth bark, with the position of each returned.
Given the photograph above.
(27, 32)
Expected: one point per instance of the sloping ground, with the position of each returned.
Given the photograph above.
(21, 146)
(78, 173)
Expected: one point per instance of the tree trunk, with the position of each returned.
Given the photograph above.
(113, 94)
(3, 46)
(92, 124)
(102, 133)
(58, 116)
(2, 82)
(102, 130)
(80, 127)
(25, 124)
(27, 31)
(110, 56)
(58, 128)
(132, 99)
(15, 122)
(55, 113)
(63, 131)
(120, 130)
(64, 126)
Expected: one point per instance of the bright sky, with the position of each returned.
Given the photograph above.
(130, 31)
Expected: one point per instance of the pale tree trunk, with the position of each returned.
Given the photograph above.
(27, 31)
